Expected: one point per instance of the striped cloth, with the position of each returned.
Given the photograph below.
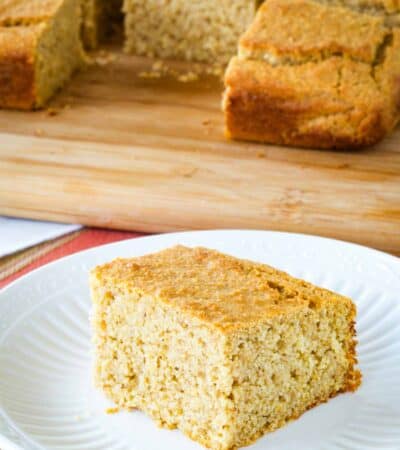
(18, 264)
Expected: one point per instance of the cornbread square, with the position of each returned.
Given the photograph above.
(202, 30)
(293, 85)
(40, 49)
(223, 349)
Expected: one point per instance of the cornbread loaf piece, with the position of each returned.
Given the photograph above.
(291, 84)
(205, 31)
(40, 48)
(221, 348)
(98, 19)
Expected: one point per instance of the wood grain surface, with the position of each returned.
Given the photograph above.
(128, 152)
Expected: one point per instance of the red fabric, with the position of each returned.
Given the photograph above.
(86, 239)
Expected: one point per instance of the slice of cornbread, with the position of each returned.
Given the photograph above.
(205, 31)
(40, 49)
(223, 349)
(293, 85)
(98, 19)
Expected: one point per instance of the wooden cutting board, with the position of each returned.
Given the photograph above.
(149, 154)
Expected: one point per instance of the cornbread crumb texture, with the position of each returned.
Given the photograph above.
(293, 85)
(39, 50)
(221, 348)
(179, 29)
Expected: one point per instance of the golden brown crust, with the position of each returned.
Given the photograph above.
(223, 291)
(388, 5)
(17, 66)
(332, 104)
(288, 87)
(374, 6)
(354, 376)
(290, 30)
(39, 50)
(27, 12)
(387, 74)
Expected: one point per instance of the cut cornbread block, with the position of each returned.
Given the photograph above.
(39, 50)
(204, 31)
(223, 349)
(98, 18)
(293, 85)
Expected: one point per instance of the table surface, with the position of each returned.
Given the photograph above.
(125, 151)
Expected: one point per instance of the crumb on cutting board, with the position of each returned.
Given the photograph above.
(53, 111)
(104, 57)
(188, 76)
(161, 68)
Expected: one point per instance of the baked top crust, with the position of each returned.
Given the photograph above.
(27, 12)
(388, 6)
(291, 31)
(19, 42)
(223, 291)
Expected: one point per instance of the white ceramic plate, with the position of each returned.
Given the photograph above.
(46, 396)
